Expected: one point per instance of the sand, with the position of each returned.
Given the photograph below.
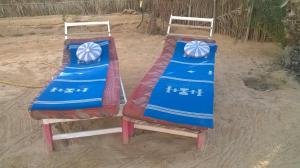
(257, 104)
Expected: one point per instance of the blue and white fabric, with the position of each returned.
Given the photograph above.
(184, 93)
(88, 52)
(196, 49)
(78, 85)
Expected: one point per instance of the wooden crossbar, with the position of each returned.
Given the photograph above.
(187, 35)
(165, 130)
(86, 133)
(192, 18)
(191, 26)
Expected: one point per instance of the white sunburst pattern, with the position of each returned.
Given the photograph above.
(88, 51)
(196, 49)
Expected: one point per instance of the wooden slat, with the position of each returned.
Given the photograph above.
(192, 18)
(72, 24)
(165, 130)
(191, 26)
(87, 133)
(86, 34)
(189, 35)
(52, 121)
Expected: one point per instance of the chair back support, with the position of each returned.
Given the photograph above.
(203, 20)
(74, 24)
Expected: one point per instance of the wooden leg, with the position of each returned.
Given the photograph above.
(125, 131)
(201, 141)
(131, 128)
(48, 136)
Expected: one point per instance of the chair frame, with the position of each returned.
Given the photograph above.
(182, 18)
(47, 123)
(129, 124)
(77, 24)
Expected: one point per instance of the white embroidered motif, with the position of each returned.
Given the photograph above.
(169, 89)
(184, 91)
(68, 90)
(84, 89)
(53, 89)
(190, 71)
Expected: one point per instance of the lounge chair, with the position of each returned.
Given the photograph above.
(82, 91)
(148, 108)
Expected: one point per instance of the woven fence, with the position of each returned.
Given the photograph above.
(232, 17)
(54, 7)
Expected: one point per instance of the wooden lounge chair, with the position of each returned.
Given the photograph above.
(133, 111)
(113, 97)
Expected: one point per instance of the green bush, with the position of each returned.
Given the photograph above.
(268, 15)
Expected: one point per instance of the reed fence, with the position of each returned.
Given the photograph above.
(232, 17)
(54, 7)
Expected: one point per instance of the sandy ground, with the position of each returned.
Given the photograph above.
(257, 104)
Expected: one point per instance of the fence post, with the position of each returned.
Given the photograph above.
(214, 16)
(249, 19)
(190, 10)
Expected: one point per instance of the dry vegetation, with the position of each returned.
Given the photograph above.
(63, 7)
(232, 17)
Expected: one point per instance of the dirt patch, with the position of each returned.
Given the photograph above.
(266, 82)
(18, 35)
(47, 27)
(259, 83)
